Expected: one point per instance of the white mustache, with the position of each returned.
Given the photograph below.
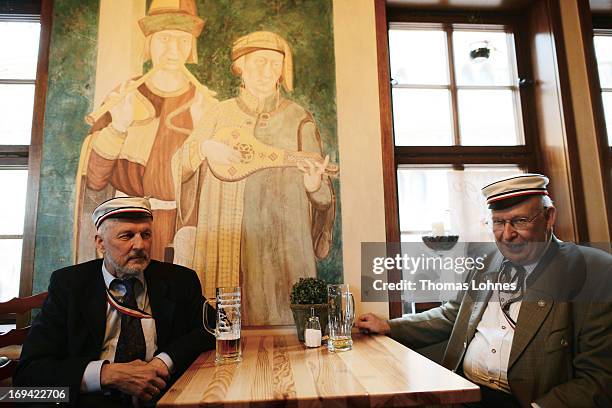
(142, 255)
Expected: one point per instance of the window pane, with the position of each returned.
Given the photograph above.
(422, 117)
(16, 106)
(603, 53)
(10, 253)
(481, 58)
(12, 211)
(19, 55)
(607, 104)
(418, 57)
(429, 195)
(487, 118)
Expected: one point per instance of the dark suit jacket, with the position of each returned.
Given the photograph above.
(561, 354)
(69, 331)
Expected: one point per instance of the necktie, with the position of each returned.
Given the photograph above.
(513, 274)
(131, 343)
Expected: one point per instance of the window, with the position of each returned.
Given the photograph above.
(441, 195)
(458, 120)
(454, 85)
(462, 116)
(603, 54)
(18, 65)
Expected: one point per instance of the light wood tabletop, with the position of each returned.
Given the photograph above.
(278, 370)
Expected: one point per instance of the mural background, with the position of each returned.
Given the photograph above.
(307, 26)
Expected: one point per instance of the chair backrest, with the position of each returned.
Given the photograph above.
(16, 337)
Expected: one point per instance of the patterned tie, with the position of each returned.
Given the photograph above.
(511, 273)
(131, 343)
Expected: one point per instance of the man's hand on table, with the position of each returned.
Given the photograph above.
(368, 323)
(137, 378)
(161, 366)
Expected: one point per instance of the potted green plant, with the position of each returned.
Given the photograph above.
(306, 294)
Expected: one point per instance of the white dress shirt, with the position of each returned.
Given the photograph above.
(91, 376)
(487, 356)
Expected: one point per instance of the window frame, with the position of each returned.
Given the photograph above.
(16, 156)
(590, 25)
(525, 156)
(602, 28)
(29, 156)
(458, 155)
(453, 86)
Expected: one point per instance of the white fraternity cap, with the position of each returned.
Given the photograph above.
(509, 191)
(122, 207)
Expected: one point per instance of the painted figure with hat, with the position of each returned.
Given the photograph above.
(545, 341)
(119, 329)
(264, 231)
(142, 123)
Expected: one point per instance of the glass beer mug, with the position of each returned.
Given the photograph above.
(341, 310)
(227, 331)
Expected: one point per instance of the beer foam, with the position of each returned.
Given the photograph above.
(228, 336)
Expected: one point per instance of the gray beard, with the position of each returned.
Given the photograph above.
(124, 271)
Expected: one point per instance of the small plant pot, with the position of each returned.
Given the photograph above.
(301, 313)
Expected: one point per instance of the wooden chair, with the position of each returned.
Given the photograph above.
(11, 341)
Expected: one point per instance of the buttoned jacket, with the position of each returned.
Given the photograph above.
(69, 331)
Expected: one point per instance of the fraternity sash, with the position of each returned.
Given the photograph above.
(133, 312)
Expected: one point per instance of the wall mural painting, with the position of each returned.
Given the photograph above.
(230, 130)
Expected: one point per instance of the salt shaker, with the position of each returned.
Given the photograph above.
(312, 330)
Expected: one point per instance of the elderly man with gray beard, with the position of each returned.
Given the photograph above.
(116, 330)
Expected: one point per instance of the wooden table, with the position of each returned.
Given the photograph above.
(277, 370)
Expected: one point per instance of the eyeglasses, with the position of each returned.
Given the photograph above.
(518, 223)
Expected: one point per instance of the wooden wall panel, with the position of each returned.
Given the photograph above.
(555, 124)
(604, 149)
(35, 156)
(386, 131)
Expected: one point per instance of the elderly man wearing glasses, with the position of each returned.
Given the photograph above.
(548, 343)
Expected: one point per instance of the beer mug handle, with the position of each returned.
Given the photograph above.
(206, 326)
(352, 309)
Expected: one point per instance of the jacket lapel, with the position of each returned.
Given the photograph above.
(161, 307)
(537, 301)
(531, 317)
(93, 302)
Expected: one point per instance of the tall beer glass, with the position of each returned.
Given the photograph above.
(341, 309)
(227, 330)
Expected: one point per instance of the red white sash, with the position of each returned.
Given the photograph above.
(137, 313)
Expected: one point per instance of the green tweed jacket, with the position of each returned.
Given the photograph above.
(561, 354)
